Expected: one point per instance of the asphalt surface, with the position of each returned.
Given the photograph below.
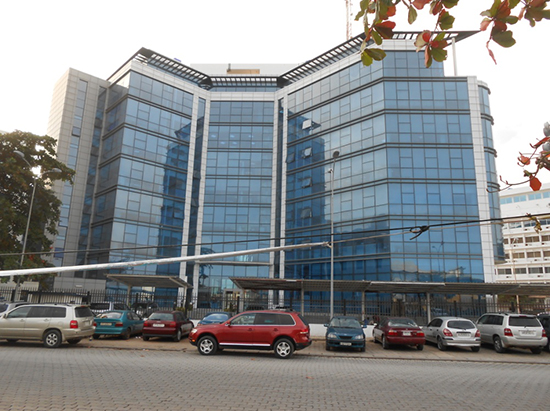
(113, 374)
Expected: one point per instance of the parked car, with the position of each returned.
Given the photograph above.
(281, 331)
(215, 318)
(7, 306)
(105, 306)
(52, 324)
(544, 319)
(453, 332)
(145, 309)
(345, 332)
(171, 324)
(505, 330)
(123, 323)
(398, 331)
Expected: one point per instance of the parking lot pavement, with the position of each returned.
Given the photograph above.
(374, 351)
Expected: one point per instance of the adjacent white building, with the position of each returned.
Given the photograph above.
(527, 250)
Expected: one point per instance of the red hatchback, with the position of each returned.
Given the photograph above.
(281, 331)
(399, 331)
(172, 324)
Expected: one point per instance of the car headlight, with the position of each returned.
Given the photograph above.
(332, 336)
(359, 337)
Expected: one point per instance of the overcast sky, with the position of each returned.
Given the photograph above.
(42, 39)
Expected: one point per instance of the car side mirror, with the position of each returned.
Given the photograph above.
(228, 324)
(326, 325)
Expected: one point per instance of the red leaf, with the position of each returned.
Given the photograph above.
(541, 142)
(491, 52)
(419, 4)
(500, 26)
(426, 36)
(524, 160)
(484, 24)
(535, 183)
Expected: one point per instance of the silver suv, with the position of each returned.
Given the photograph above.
(50, 323)
(505, 330)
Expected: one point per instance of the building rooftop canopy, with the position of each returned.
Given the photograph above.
(349, 47)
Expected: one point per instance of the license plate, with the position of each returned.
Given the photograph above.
(158, 325)
(345, 343)
(463, 334)
(526, 332)
(406, 333)
(105, 324)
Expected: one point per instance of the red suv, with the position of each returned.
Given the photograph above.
(281, 331)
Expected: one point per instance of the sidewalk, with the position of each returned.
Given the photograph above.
(372, 351)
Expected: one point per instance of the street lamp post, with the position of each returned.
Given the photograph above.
(26, 233)
(331, 171)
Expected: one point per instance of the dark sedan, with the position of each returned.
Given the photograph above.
(168, 324)
(345, 332)
(398, 331)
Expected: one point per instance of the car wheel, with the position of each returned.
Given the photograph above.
(52, 339)
(74, 340)
(96, 336)
(420, 347)
(12, 340)
(145, 338)
(362, 349)
(284, 348)
(475, 349)
(207, 345)
(126, 334)
(177, 337)
(536, 350)
(385, 343)
(440, 345)
(374, 339)
(327, 347)
(497, 342)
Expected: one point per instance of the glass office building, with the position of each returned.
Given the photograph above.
(172, 161)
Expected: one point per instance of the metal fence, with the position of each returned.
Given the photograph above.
(315, 311)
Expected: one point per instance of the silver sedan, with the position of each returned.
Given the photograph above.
(453, 332)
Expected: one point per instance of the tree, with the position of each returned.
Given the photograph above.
(376, 16)
(36, 163)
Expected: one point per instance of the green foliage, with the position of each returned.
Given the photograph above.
(376, 14)
(16, 186)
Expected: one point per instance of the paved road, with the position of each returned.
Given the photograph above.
(83, 378)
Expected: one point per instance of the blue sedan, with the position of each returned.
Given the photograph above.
(345, 332)
(123, 323)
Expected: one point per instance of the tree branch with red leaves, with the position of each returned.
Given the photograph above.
(376, 16)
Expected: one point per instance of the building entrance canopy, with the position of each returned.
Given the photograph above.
(394, 287)
(139, 280)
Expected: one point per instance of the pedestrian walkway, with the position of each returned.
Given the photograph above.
(372, 351)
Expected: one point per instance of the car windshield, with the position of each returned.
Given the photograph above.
(523, 322)
(162, 317)
(401, 322)
(216, 317)
(461, 324)
(345, 323)
(111, 315)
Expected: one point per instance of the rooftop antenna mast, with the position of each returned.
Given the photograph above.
(349, 19)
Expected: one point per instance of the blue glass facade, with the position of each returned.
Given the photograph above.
(187, 162)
